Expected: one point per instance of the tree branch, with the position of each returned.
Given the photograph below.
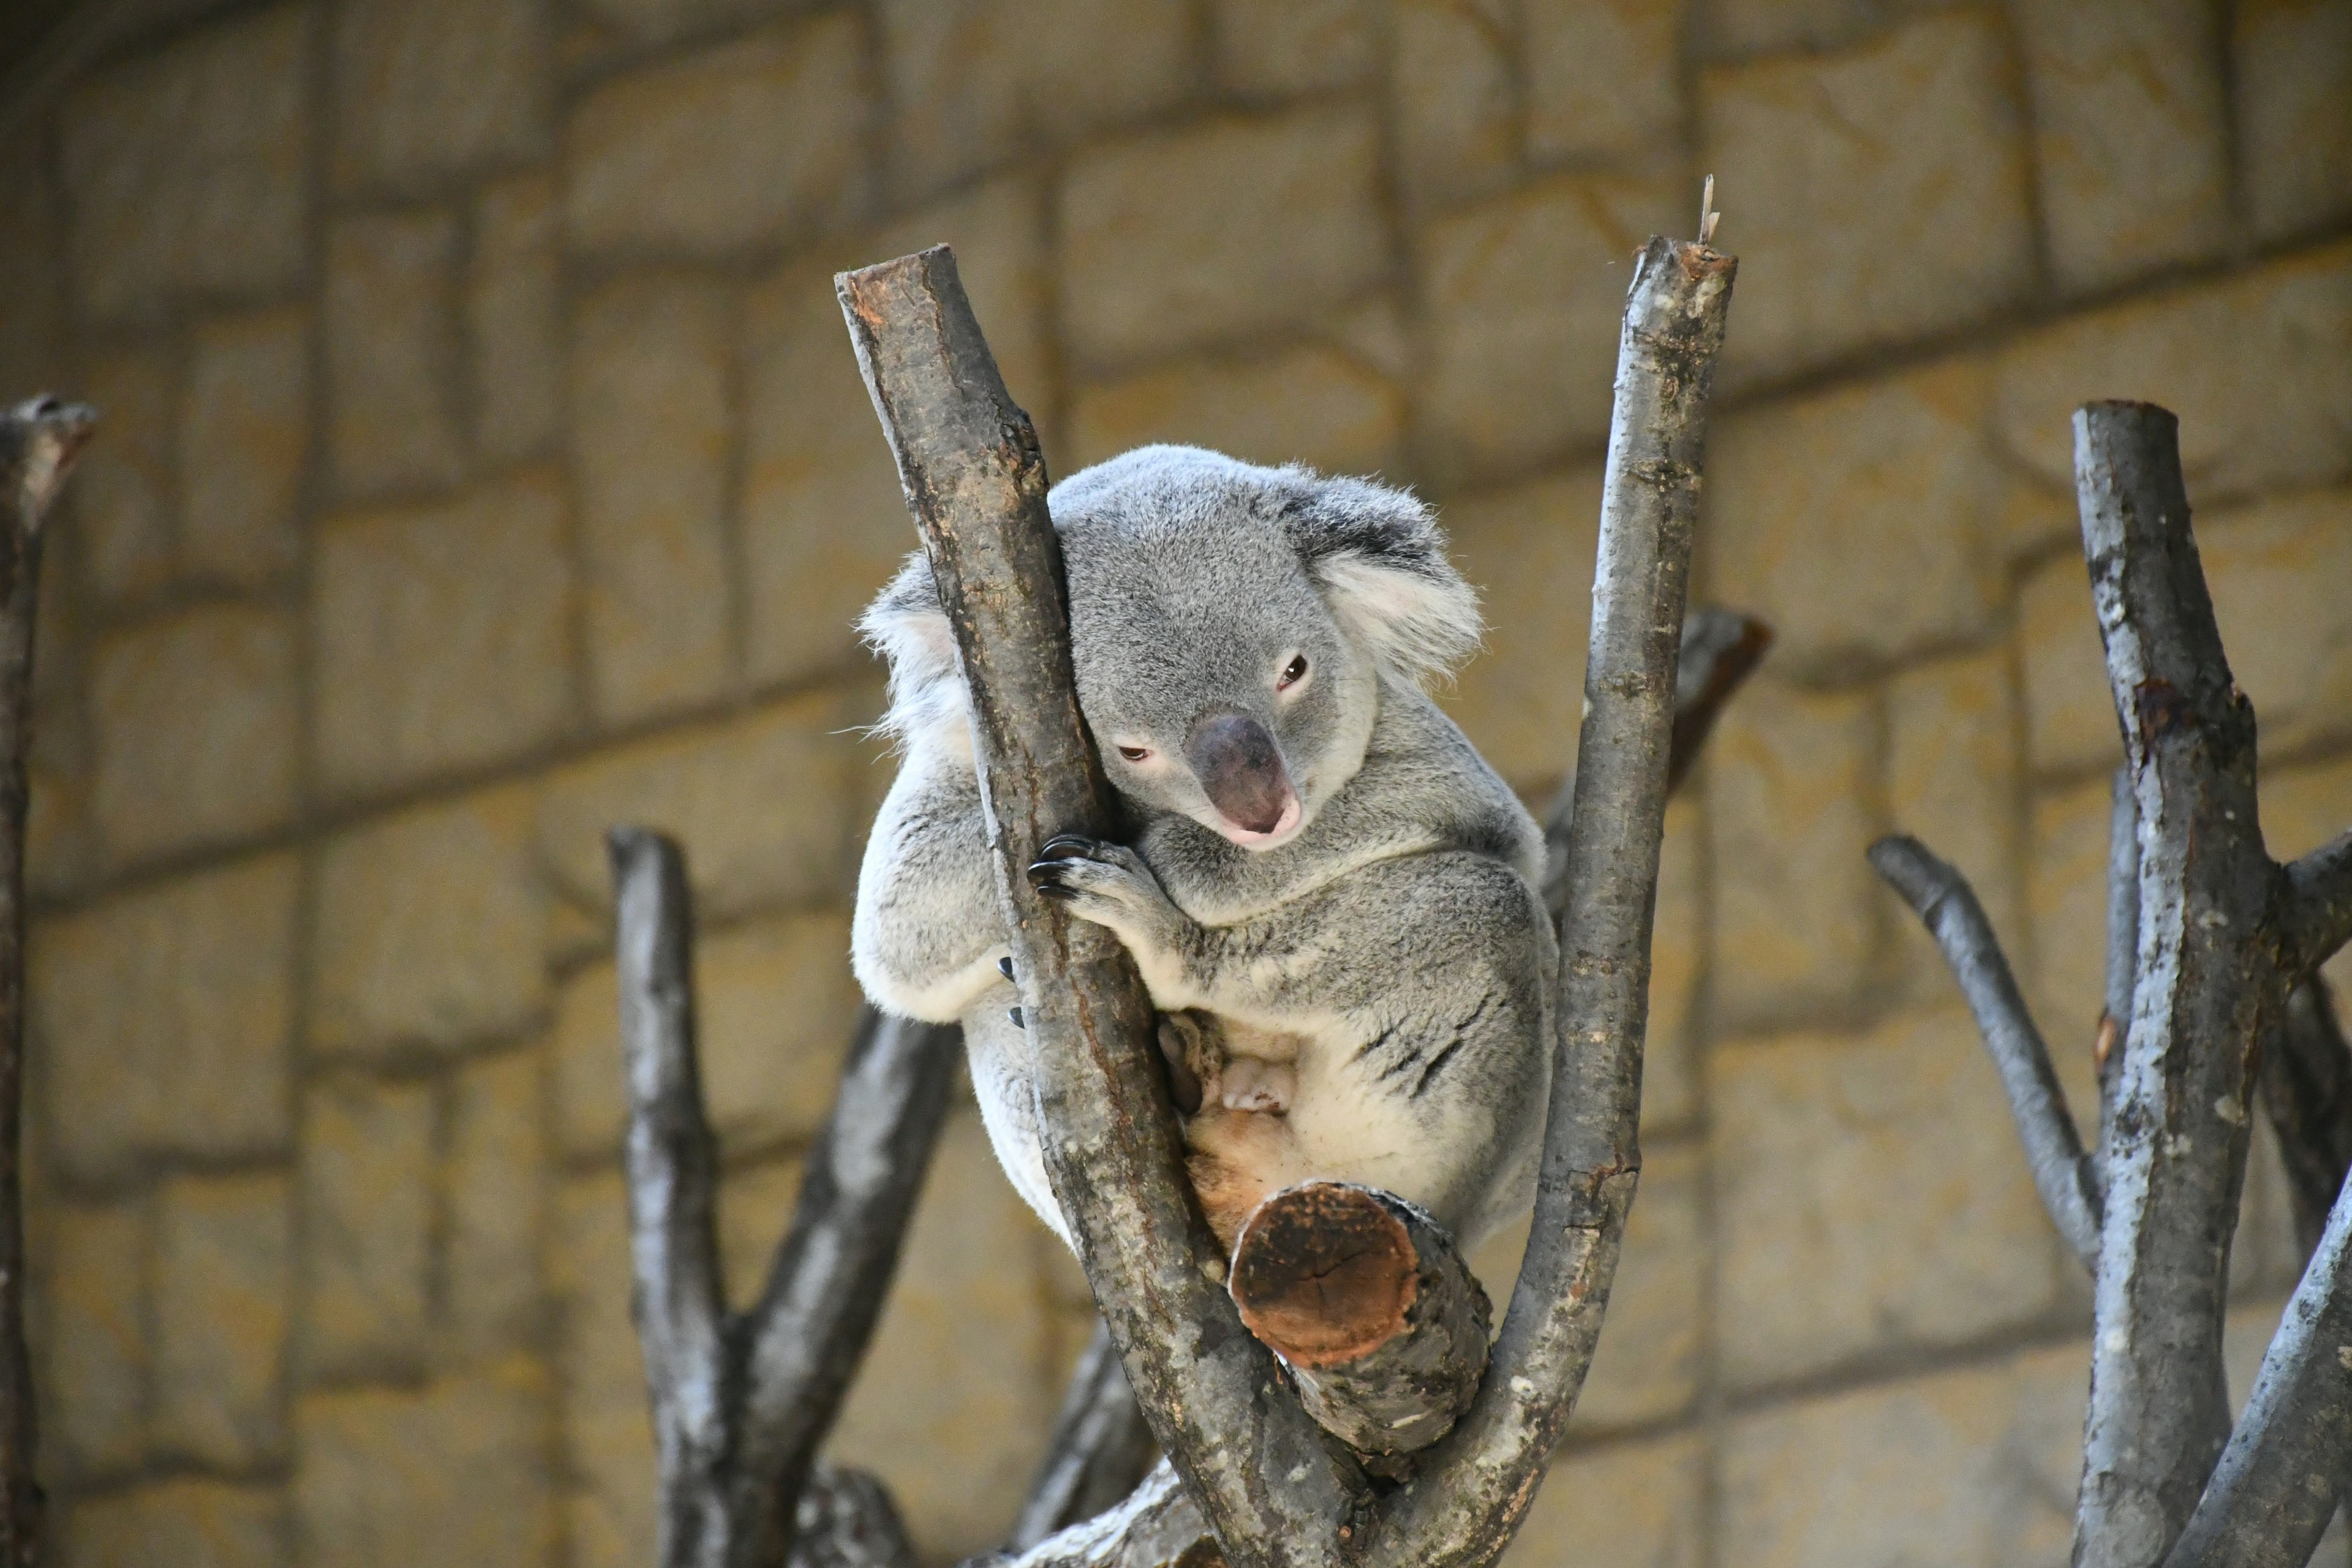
(1098, 1452)
(2063, 1173)
(2207, 987)
(975, 482)
(2307, 1087)
(1158, 1526)
(39, 443)
(845, 1520)
(2318, 918)
(2279, 1481)
(741, 1403)
(1477, 1481)
(2123, 946)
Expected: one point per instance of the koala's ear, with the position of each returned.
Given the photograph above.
(906, 626)
(1381, 562)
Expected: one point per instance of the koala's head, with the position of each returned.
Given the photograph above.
(1230, 626)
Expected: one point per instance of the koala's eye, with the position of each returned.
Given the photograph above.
(1134, 753)
(1292, 673)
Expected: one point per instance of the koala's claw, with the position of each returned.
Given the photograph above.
(1110, 885)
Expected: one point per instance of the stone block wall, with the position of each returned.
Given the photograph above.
(485, 464)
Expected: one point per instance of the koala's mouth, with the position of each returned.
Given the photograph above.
(1285, 828)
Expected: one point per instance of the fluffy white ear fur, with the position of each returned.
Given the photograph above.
(906, 626)
(1380, 561)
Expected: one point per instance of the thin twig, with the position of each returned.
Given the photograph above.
(2279, 1481)
(2208, 988)
(1478, 1481)
(2306, 1088)
(39, 443)
(2318, 919)
(2063, 1173)
(1098, 1452)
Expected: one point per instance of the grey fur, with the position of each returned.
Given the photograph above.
(1376, 974)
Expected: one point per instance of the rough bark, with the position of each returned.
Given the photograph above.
(845, 1520)
(2306, 1088)
(1272, 1487)
(1158, 1526)
(2209, 984)
(1381, 1325)
(2283, 1474)
(39, 443)
(1098, 1453)
(2064, 1175)
(740, 1402)
(2123, 946)
(2318, 916)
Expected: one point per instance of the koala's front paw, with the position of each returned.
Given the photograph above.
(1110, 885)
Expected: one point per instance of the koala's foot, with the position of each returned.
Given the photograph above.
(1110, 885)
(1195, 1057)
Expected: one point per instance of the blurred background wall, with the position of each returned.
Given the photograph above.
(485, 463)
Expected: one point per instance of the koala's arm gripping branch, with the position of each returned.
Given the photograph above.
(39, 443)
(975, 482)
(741, 1403)
(1479, 1479)
(2065, 1176)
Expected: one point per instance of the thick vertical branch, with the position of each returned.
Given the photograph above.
(741, 1403)
(39, 443)
(967, 459)
(1478, 1481)
(2207, 987)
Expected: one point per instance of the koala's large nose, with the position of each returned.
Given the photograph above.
(1237, 760)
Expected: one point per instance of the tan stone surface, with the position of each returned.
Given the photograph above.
(1871, 1199)
(756, 139)
(953, 1404)
(763, 804)
(658, 19)
(1671, 1073)
(2130, 133)
(755, 1209)
(1852, 521)
(1272, 48)
(497, 1211)
(32, 338)
(2070, 717)
(1732, 28)
(186, 168)
(607, 1442)
(367, 1224)
(2065, 966)
(967, 79)
(775, 1005)
(651, 439)
(1952, 782)
(1457, 124)
(824, 523)
(390, 280)
(205, 701)
(1602, 77)
(429, 929)
(2278, 572)
(1974, 1468)
(2293, 60)
(186, 1523)
(1521, 300)
(429, 89)
(93, 1369)
(122, 496)
(2257, 365)
(1310, 404)
(165, 1021)
(1223, 231)
(443, 634)
(1797, 907)
(244, 435)
(1882, 193)
(512, 319)
(1529, 551)
(224, 1283)
(456, 1472)
(1632, 1505)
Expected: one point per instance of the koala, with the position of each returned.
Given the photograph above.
(1332, 898)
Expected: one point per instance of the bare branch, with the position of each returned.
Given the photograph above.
(2318, 918)
(1159, 1526)
(1381, 1323)
(845, 1520)
(1479, 1479)
(969, 463)
(39, 443)
(2279, 1481)
(2063, 1173)
(2306, 1087)
(2123, 944)
(1098, 1452)
(2207, 990)
(741, 1404)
